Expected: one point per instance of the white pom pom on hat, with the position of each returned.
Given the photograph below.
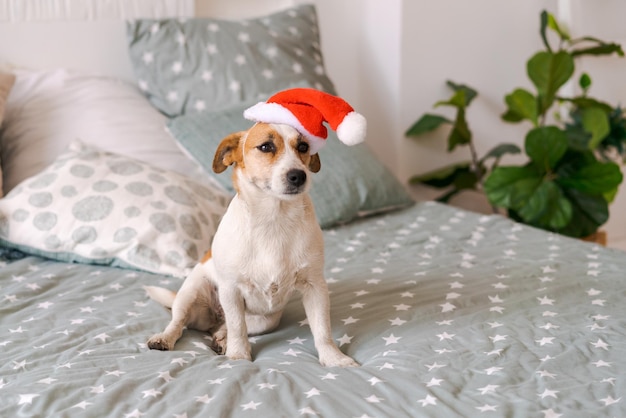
(306, 110)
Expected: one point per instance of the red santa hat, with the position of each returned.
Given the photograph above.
(306, 110)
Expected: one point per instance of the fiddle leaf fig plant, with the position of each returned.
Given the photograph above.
(466, 175)
(573, 148)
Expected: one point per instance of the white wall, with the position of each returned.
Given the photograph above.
(391, 60)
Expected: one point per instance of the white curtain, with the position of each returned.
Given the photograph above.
(46, 10)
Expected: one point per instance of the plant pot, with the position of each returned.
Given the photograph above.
(598, 237)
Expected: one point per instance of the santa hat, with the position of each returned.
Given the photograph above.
(306, 110)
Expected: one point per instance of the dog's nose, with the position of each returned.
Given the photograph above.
(296, 177)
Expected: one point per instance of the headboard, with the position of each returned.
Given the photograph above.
(90, 35)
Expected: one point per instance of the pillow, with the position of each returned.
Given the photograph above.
(48, 109)
(97, 207)
(205, 64)
(351, 183)
(6, 82)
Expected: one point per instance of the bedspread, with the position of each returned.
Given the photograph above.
(449, 313)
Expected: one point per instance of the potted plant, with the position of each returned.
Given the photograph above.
(572, 172)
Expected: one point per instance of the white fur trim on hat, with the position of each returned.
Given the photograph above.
(275, 113)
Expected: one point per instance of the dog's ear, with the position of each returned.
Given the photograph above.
(315, 164)
(227, 152)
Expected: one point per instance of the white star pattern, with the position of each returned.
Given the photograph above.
(27, 398)
(200, 105)
(234, 86)
(550, 413)
(97, 389)
(136, 413)
(397, 321)
(151, 393)
(312, 392)
(308, 411)
(610, 401)
(250, 405)
(148, 57)
(600, 344)
(345, 339)
(428, 400)
(82, 405)
(393, 341)
(549, 393)
(545, 340)
(447, 307)
(434, 382)
(488, 389)
(205, 399)
(487, 408)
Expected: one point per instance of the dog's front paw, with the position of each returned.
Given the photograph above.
(337, 359)
(219, 341)
(159, 342)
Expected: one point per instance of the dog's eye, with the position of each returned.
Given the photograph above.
(303, 147)
(267, 147)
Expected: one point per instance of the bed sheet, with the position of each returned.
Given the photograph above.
(449, 313)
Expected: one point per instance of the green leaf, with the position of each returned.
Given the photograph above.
(554, 25)
(442, 177)
(542, 30)
(596, 178)
(500, 150)
(583, 102)
(499, 185)
(584, 82)
(457, 100)
(601, 49)
(546, 207)
(610, 195)
(426, 123)
(545, 146)
(589, 212)
(522, 105)
(577, 137)
(512, 117)
(527, 193)
(548, 72)
(469, 93)
(596, 122)
(460, 134)
(460, 176)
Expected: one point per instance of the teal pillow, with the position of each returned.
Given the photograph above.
(352, 182)
(204, 64)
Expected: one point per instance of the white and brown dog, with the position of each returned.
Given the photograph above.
(268, 244)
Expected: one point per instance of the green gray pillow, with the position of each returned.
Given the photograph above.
(352, 182)
(203, 64)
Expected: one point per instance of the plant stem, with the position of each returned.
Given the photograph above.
(478, 171)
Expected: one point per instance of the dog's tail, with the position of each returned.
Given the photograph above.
(164, 296)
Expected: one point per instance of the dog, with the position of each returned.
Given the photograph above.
(267, 245)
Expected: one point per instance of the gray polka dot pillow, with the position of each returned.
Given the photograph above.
(97, 207)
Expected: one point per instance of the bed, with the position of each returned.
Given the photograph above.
(108, 188)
